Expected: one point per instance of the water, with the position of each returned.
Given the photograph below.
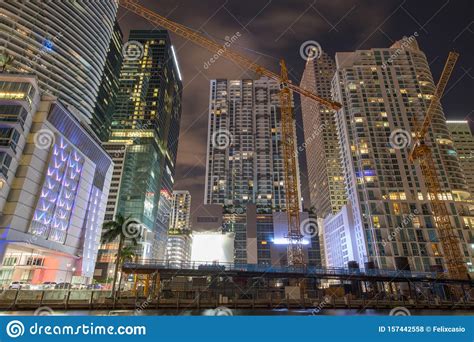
(222, 311)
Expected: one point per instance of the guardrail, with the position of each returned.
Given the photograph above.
(83, 298)
(47, 301)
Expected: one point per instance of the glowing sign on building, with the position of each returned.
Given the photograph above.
(211, 247)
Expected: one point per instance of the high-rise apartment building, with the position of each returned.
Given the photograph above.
(146, 122)
(181, 210)
(54, 182)
(383, 91)
(64, 43)
(464, 145)
(245, 169)
(178, 248)
(244, 156)
(325, 177)
(109, 86)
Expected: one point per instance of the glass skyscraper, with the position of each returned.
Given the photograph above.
(109, 86)
(147, 120)
(64, 43)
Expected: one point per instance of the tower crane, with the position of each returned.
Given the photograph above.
(421, 152)
(295, 236)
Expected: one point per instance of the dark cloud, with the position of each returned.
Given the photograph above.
(273, 29)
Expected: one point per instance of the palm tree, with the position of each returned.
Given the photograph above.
(5, 61)
(127, 254)
(119, 229)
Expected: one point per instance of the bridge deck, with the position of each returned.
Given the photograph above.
(167, 269)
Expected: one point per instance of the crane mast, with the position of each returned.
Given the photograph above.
(294, 236)
(421, 152)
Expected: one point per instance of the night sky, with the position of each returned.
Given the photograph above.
(274, 29)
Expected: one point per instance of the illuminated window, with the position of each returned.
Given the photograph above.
(396, 208)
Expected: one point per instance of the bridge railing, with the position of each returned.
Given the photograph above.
(226, 266)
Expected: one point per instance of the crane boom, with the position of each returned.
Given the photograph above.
(213, 47)
(439, 91)
(295, 236)
(422, 152)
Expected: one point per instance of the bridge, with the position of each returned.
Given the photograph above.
(167, 270)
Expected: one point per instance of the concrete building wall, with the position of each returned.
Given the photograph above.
(321, 144)
(339, 241)
(383, 91)
(464, 144)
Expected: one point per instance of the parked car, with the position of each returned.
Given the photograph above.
(79, 286)
(95, 287)
(48, 285)
(17, 285)
(63, 286)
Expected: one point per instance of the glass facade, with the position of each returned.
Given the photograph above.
(109, 86)
(147, 117)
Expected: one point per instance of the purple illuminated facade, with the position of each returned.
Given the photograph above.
(53, 191)
(53, 212)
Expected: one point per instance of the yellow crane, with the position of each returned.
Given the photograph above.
(421, 152)
(294, 251)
